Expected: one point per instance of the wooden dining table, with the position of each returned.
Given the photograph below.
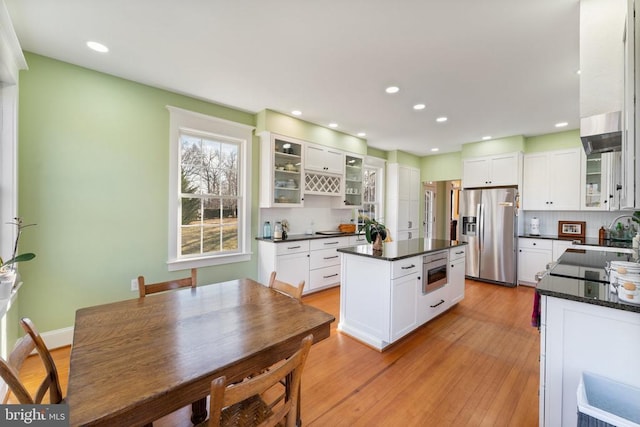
(137, 360)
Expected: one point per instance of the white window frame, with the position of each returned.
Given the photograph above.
(191, 122)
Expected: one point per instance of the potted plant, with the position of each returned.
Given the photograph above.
(7, 268)
(374, 232)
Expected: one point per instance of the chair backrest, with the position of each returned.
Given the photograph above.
(286, 288)
(231, 397)
(152, 288)
(10, 370)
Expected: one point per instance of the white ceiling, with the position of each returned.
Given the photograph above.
(493, 67)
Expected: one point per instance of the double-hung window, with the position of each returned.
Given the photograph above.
(210, 199)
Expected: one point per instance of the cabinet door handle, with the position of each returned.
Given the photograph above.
(294, 247)
(435, 305)
(408, 267)
(332, 243)
(459, 253)
(331, 275)
(330, 257)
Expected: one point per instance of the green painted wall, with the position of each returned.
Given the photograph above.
(374, 152)
(441, 167)
(296, 128)
(93, 174)
(403, 158)
(553, 141)
(494, 146)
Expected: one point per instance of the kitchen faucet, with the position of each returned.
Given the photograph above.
(617, 218)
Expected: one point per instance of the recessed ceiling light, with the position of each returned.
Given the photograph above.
(561, 124)
(296, 112)
(419, 107)
(441, 119)
(578, 72)
(392, 89)
(435, 149)
(98, 47)
(362, 134)
(333, 125)
(484, 138)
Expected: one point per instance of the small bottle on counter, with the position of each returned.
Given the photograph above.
(266, 230)
(602, 236)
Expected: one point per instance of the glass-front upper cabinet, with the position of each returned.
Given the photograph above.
(353, 180)
(281, 183)
(600, 179)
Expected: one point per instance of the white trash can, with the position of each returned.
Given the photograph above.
(603, 402)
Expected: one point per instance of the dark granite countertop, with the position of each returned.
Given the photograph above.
(294, 237)
(580, 275)
(393, 251)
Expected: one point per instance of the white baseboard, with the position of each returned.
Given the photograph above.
(58, 337)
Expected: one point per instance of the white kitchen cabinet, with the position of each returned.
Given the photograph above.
(404, 305)
(551, 180)
(533, 257)
(576, 337)
(455, 275)
(281, 167)
(599, 181)
(492, 171)
(290, 260)
(353, 182)
(403, 201)
(358, 239)
(324, 267)
(324, 159)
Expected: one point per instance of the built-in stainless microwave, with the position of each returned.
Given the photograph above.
(434, 271)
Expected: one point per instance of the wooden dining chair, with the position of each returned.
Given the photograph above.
(9, 370)
(286, 288)
(152, 288)
(244, 403)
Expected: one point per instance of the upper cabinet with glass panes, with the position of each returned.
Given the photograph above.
(281, 169)
(353, 181)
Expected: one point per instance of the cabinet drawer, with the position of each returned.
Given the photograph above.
(456, 253)
(525, 243)
(324, 258)
(292, 247)
(436, 302)
(358, 239)
(324, 277)
(336, 242)
(406, 266)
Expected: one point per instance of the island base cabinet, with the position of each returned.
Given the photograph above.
(404, 305)
(577, 337)
(365, 297)
(381, 301)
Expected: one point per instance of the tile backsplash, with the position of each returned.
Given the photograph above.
(315, 216)
(549, 220)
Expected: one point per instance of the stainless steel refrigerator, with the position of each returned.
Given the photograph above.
(488, 223)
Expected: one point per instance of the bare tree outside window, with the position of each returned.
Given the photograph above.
(210, 195)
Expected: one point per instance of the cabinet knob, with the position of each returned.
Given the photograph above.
(534, 244)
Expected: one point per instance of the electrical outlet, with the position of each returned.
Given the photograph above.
(134, 285)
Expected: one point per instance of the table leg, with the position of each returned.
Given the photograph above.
(199, 411)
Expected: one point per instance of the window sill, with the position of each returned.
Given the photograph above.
(5, 304)
(184, 264)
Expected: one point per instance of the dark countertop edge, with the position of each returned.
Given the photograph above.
(615, 305)
(295, 237)
(542, 236)
(397, 258)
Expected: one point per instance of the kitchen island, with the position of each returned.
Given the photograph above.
(584, 327)
(385, 295)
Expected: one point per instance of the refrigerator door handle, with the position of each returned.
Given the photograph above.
(480, 225)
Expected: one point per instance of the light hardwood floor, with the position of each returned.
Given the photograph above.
(475, 365)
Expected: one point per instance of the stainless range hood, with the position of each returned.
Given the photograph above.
(601, 133)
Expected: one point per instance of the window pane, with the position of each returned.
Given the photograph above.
(370, 185)
(191, 240)
(230, 225)
(191, 164)
(210, 169)
(212, 239)
(191, 210)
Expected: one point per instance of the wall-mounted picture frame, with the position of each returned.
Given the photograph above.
(572, 229)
